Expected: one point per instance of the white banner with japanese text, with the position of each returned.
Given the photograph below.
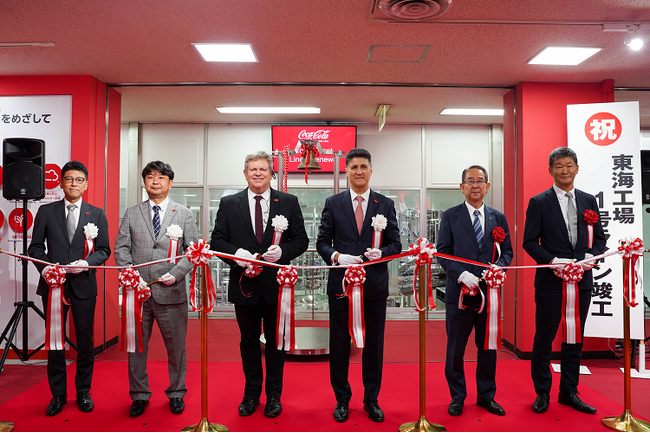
(607, 140)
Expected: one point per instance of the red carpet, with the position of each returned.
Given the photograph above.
(307, 402)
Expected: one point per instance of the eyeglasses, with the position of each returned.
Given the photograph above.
(70, 179)
(479, 182)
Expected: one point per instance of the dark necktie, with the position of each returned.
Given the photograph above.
(156, 221)
(71, 221)
(259, 226)
(572, 216)
(358, 213)
(477, 228)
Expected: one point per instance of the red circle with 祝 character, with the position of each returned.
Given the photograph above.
(16, 220)
(603, 129)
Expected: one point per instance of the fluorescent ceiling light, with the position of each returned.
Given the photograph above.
(189, 195)
(473, 111)
(269, 110)
(563, 55)
(25, 44)
(226, 52)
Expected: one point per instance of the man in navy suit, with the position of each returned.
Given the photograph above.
(58, 237)
(553, 235)
(244, 228)
(466, 231)
(345, 238)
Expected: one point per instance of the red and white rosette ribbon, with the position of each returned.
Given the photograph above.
(174, 233)
(90, 232)
(199, 255)
(591, 218)
(494, 277)
(425, 252)
(353, 281)
(54, 326)
(286, 327)
(129, 280)
(379, 224)
(280, 223)
(571, 274)
(498, 235)
(631, 250)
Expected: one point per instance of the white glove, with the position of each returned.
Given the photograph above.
(347, 260)
(559, 266)
(77, 270)
(167, 279)
(468, 279)
(273, 254)
(588, 266)
(245, 254)
(373, 254)
(48, 267)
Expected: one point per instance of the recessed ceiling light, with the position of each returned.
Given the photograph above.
(473, 111)
(226, 52)
(268, 110)
(563, 55)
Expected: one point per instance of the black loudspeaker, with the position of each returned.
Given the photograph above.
(23, 174)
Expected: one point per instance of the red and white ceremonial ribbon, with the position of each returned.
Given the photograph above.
(54, 332)
(89, 248)
(571, 274)
(498, 235)
(286, 326)
(464, 290)
(129, 280)
(199, 254)
(280, 223)
(494, 277)
(591, 218)
(173, 250)
(631, 250)
(425, 252)
(353, 281)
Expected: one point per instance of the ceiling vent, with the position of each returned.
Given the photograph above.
(408, 10)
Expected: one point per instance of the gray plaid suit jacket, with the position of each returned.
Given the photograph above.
(135, 244)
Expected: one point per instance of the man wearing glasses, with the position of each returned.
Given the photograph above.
(58, 237)
(468, 231)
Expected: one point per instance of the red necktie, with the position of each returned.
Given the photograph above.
(259, 226)
(358, 213)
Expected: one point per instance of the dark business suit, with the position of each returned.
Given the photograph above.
(233, 230)
(457, 238)
(80, 289)
(338, 232)
(546, 237)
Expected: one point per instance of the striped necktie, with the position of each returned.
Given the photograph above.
(477, 228)
(156, 221)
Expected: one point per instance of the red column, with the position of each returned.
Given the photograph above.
(535, 123)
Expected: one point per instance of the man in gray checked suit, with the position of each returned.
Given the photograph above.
(143, 237)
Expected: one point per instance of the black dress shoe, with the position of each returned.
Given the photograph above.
(574, 401)
(456, 407)
(341, 411)
(273, 407)
(137, 407)
(541, 403)
(176, 405)
(248, 405)
(85, 402)
(56, 405)
(491, 405)
(374, 411)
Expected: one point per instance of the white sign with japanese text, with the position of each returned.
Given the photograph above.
(607, 140)
(49, 118)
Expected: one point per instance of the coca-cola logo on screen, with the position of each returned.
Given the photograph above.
(321, 134)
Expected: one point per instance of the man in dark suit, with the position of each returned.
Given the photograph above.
(145, 235)
(345, 237)
(244, 228)
(466, 232)
(58, 237)
(556, 233)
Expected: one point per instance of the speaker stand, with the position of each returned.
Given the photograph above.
(22, 308)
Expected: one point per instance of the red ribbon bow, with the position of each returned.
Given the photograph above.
(129, 280)
(571, 274)
(494, 277)
(54, 326)
(286, 327)
(631, 250)
(499, 235)
(199, 255)
(353, 281)
(591, 218)
(306, 149)
(424, 251)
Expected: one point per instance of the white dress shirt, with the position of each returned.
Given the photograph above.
(264, 203)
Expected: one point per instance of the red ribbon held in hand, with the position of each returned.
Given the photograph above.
(54, 332)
